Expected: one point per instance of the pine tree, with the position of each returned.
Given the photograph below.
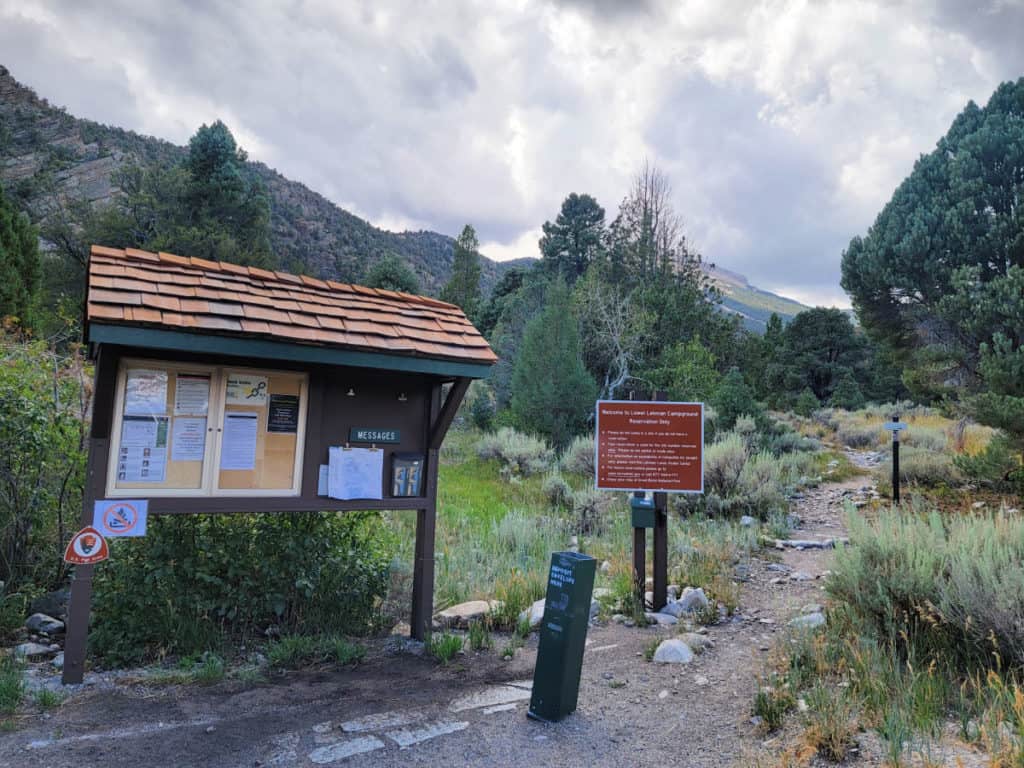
(847, 394)
(552, 392)
(573, 242)
(393, 274)
(806, 403)
(735, 398)
(19, 263)
(463, 289)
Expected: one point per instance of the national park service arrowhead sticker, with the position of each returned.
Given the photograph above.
(86, 547)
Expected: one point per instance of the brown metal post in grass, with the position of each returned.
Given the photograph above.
(660, 540)
(640, 560)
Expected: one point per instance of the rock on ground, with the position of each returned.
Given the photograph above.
(34, 651)
(808, 621)
(40, 622)
(673, 651)
(459, 616)
(664, 619)
(698, 643)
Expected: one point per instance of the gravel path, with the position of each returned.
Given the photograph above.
(398, 710)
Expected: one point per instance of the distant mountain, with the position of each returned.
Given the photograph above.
(49, 158)
(753, 304)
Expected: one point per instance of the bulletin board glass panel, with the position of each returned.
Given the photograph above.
(261, 431)
(160, 438)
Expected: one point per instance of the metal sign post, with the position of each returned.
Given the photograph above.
(895, 426)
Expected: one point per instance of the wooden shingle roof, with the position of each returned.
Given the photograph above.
(161, 290)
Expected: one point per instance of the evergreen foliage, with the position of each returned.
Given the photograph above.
(552, 392)
(463, 289)
(733, 399)
(574, 241)
(806, 402)
(392, 274)
(847, 394)
(940, 274)
(687, 372)
(20, 273)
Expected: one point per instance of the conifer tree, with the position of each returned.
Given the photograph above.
(463, 288)
(552, 392)
(19, 263)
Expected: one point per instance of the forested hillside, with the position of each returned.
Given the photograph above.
(60, 167)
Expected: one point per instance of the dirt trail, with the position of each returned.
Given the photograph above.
(398, 709)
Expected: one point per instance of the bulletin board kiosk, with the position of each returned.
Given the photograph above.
(227, 389)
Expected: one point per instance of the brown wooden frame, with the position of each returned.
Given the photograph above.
(423, 418)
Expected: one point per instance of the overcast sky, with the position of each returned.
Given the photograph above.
(783, 126)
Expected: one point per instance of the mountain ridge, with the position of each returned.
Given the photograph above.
(51, 160)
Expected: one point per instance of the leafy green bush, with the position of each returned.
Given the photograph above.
(194, 582)
(806, 403)
(857, 435)
(12, 684)
(519, 454)
(733, 399)
(43, 401)
(294, 651)
(998, 465)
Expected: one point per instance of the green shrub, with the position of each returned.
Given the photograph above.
(806, 403)
(723, 463)
(831, 722)
(855, 435)
(792, 442)
(557, 490)
(480, 635)
(998, 465)
(760, 485)
(733, 399)
(771, 703)
(48, 699)
(444, 647)
(590, 511)
(43, 403)
(578, 458)
(12, 685)
(519, 454)
(920, 467)
(209, 579)
(516, 592)
(294, 651)
(954, 590)
(480, 405)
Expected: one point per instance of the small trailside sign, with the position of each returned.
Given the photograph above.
(120, 518)
(895, 426)
(86, 547)
(650, 446)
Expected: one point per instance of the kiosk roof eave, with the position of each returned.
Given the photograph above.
(180, 341)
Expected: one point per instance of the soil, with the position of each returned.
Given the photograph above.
(630, 712)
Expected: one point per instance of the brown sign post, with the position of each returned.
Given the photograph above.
(650, 446)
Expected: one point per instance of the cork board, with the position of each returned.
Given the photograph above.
(156, 444)
(274, 455)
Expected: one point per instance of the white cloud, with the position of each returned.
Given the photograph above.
(784, 124)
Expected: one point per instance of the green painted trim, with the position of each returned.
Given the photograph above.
(178, 341)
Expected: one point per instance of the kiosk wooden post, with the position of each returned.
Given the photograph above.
(223, 389)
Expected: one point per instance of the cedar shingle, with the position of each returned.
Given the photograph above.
(180, 292)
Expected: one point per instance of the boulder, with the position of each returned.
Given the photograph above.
(801, 576)
(748, 522)
(47, 625)
(662, 619)
(34, 651)
(535, 613)
(673, 651)
(459, 616)
(698, 643)
(52, 604)
(808, 621)
(692, 600)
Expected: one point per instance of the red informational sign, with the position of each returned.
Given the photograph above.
(650, 446)
(86, 547)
